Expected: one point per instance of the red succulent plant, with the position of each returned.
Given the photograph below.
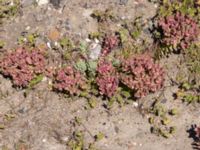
(69, 80)
(109, 43)
(142, 75)
(107, 78)
(22, 65)
(178, 30)
(197, 132)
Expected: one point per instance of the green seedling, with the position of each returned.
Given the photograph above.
(91, 146)
(2, 44)
(186, 86)
(120, 100)
(164, 134)
(151, 120)
(173, 112)
(2, 126)
(78, 120)
(92, 103)
(159, 111)
(35, 81)
(102, 16)
(95, 35)
(172, 130)
(165, 121)
(9, 117)
(81, 66)
(123, 34)
(158, 131)
(76, 143)
(66, 43)
(99, 136)
(111, 102)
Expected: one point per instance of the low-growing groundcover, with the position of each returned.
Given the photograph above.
(22, 66)
(139, 73)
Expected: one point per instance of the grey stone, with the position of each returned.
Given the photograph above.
(42, 2)
(95, 51)
(55, 3)
(26, 3)
(123, 2)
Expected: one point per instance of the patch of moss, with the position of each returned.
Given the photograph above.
(188, 7)
(2, 44)
(28, 39)
(102, 16)
(8, 8)
(161, 120)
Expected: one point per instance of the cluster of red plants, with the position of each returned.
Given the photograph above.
(178, 30)
(107, 78)
(109, 43)
(22, 66)
(69, 80)
(142, 75)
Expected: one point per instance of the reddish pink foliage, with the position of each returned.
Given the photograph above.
(69, 80)
(142, 75)
(22, 66)
(107, 79)
(109, 43)
(197, 132)
(178, 30)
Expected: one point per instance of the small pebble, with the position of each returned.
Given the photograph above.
(65, 138)
(96, 40)
(56, 44)
(28, 28)
(42, 2)
(123, 2)
(49, 45)
(87, 40)
(44, 79)
(135, 104)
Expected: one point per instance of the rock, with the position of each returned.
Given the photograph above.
(123, 2)
(95, 51)
(42, 2)
(26, 3)
(67, 25)
(55, 3)
(135, 104)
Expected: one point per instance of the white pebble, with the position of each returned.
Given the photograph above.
(48, 44)
(96, 40)
(28, 28)
(44, 140)
(65, 138)
(56, 44)
(135, 104)
(87, 40)
(42, 2)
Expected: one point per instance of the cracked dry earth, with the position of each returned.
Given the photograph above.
(43, 120)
